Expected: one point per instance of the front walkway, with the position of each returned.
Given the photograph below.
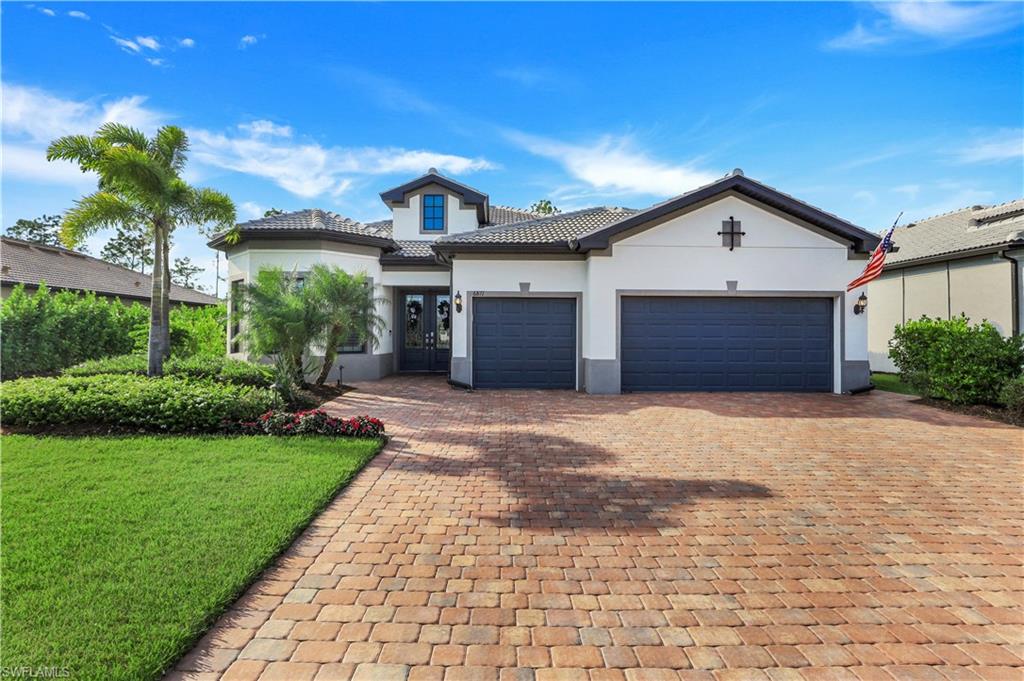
(533, 535)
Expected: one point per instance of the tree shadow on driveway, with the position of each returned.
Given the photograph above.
(552, 481)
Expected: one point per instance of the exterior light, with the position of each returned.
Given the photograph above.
(458, 301)
(861, 304)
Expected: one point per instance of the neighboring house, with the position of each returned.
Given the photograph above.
(970, 262)
(733, 286)
(29, 263)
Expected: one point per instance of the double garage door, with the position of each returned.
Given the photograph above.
(666, 343)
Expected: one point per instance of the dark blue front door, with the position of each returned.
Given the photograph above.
(425, 331)
(726, 344)
(524, 343)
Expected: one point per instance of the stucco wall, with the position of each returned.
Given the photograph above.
(407, 222)
(980, 288)
(685, 255)
(245, 260)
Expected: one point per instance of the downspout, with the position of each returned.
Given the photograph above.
(1014, 292)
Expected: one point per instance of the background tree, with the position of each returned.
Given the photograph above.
(42, 230)
(349, 311)
(140, 183)
(183, 273)
(130, 247)
(271, 212)
(544, 207)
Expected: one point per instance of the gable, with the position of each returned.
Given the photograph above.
(699, 227)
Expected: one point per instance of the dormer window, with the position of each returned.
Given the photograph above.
(433, 212)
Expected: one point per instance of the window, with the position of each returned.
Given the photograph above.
(236, 317)
(433, 212)
(352, 346)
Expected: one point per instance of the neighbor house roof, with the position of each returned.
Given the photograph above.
(959, 233)
(25, 262)
(551, 232)
(862, 240)
(315, 223)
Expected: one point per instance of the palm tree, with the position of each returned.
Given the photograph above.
(282, 319)
(140, 185)
(350, 310)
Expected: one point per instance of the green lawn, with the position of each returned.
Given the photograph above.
(892, 383)
(118, 552)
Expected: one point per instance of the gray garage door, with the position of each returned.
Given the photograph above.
(524, 343)
(712, 344)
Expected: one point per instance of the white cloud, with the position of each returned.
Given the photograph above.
(148, 42)
(308, 169)
(47, 11)
(33, 118)
(938, 20)
(909, 190)
(268, 128)
(155, 61)
(248, 40)
(251, 210)
(126, 45)
(78, 15)
(613, 163)
(187, 42)
(1002, 145)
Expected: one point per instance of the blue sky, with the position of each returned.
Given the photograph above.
(862, 109)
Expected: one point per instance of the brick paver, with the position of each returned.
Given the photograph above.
(554, 535)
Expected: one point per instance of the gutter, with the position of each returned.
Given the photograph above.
(954, 255)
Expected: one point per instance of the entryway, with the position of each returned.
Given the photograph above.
(425, 330)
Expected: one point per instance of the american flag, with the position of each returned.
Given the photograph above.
(875, 263)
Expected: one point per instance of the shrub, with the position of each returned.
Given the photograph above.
(195, 331)
(1012, 396)
(220, 368)
(311, 422)
(168, 404)
(43, 332)
(955, 361)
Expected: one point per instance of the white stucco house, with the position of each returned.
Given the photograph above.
(732, 286)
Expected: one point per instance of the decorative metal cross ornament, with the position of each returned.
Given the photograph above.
(731, 232)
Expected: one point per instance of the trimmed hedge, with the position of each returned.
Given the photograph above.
(43, 332)
(952, 360)
(219, 368)
(1012, 396)
(168, 404)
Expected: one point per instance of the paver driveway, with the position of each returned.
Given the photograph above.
(532, 535)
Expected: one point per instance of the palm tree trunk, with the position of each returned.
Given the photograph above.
(330, 353)
(166, 303)
(156, 298)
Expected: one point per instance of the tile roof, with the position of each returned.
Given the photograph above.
(550, 229)
(24, 262)
(505, 215)
(315, 218)
(413, 249)
(958, 231)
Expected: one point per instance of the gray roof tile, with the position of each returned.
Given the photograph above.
(548, 229)
(315, 218)
(30, 263)
(958, 231)
(413, 249)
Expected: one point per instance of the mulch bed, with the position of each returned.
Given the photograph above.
(325, 393)
(980, 410)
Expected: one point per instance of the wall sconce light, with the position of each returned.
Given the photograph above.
(861, 304)
(458, 301)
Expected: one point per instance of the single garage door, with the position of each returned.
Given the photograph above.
(714, 344)
(524, 343)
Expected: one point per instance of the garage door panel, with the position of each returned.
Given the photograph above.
(524, 343)
(690, 343)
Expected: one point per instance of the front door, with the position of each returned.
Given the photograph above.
(426, 330)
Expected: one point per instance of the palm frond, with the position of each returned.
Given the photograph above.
(123, 135)
(212, 206)
(95, 212)
(171, 145)
(81, 149)
(129, 170)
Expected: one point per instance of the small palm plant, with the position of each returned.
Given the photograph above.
(140, 185)
(350, 311)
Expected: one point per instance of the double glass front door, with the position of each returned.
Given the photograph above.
(426, 318)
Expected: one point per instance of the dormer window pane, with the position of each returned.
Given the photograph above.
(433, 212)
